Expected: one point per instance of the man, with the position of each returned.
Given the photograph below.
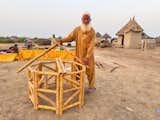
(85, 39)
(14, 49)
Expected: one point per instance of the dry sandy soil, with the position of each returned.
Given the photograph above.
(128, 88)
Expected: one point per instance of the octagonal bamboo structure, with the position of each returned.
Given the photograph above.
(56, 85)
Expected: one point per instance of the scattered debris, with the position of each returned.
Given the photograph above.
(113, 69)
(99, 65)
(129, 109)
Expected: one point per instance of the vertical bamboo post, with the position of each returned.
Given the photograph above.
(72, 75)
(81, 94)
(61, 95)
(28, 78)
(35, 90)
(81, 90)
(40, 69)
(82, 87)
(57, 94)
(38, 76)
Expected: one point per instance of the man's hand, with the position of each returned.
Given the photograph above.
(85, 61)
(59, 42)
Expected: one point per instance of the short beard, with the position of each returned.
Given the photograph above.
(86, 28)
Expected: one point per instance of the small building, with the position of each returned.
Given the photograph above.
(158, 41)
(147, 42)
(130, 35)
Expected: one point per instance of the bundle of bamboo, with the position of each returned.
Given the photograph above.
(56, 85)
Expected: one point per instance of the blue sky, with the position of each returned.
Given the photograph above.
(42, 18)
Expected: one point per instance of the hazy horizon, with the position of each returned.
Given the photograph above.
(39, 18)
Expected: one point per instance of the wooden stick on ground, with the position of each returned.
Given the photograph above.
(36, 58)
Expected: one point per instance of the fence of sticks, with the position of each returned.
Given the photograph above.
(56, 85)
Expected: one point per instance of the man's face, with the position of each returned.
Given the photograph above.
(86, 19)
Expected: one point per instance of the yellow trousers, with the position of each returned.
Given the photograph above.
(90, 71)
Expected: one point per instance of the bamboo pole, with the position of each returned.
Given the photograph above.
(62, 65)
(73, 81)
(30, 84)
(31, 98)
(46, 98)
(57, 95)
(72, 75)
(71, 98)
(50, 77)
(81, 90)
(47, 91)
(58, 66)
(77, 69)
(61, 95)
(71, 90)
(47, 73)
(28, 80)
(46, 107)
(77, 76)
(69, 83)
(45, 62)
(82, 87)
(36, 58)
(35, 91)
(41, 81)
(70, 106)
(49, 68)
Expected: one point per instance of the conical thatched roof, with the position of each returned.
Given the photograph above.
(106, 36)
(132, 25)
(98, 34)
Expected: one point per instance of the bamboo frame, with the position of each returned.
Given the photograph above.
(64, 83)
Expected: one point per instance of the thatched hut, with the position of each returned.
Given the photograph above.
(102, 40)
(130, 35)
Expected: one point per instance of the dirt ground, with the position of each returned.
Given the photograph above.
(128, 88)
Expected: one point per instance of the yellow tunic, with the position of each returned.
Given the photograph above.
(85, 42)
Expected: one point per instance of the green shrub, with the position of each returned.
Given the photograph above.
(5, 40)
(21, 39)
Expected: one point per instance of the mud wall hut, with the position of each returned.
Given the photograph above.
(130, 35)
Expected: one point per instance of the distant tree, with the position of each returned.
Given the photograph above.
(35, 38)
(54, 36)
(21, 39)
(5, 40)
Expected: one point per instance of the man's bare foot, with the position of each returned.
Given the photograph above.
(90, 90)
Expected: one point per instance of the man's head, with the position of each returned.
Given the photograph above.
(15, 45)
(86, 19)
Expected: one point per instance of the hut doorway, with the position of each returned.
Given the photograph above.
(122, 43)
